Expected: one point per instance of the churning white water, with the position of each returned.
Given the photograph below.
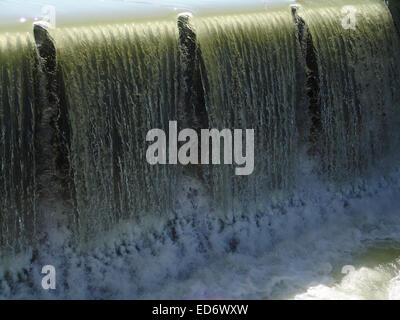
(311, 248)
(377, 276)
(296, 251)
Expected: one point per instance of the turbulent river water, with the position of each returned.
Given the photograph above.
(318, 219)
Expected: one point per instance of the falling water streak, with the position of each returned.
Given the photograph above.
(249, 82)
(394, 7)
(358, 80)
(19, 92)
(120, 82)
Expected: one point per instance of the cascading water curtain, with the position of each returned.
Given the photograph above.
(18, 188)
(249, 79)
(355, 49)
(120, 81)
(394, 6)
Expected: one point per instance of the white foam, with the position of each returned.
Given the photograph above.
(289, 250)
(379, 283)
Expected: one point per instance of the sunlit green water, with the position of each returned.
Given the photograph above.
(249, 76)
(19, 101)
(357, 106)
(20, 14)
(119, 82)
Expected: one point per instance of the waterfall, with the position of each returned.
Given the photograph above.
(19, 94)
(394, 6)
(248, 73)
(355, 95)
(119, 82)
